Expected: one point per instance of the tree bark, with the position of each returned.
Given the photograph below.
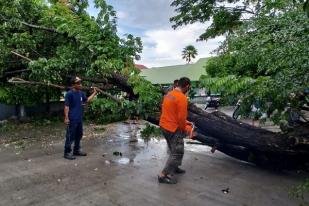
(251, 144)
(248, 143)
(122, 82)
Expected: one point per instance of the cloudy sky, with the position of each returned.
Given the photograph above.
(149, 19)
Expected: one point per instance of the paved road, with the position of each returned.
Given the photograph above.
(40, 176)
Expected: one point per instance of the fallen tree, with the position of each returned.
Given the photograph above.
(252, 144)
(248, 143)
(51, 43)
(234, 138)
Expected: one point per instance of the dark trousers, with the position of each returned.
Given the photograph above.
(74, 134)
(176, 145)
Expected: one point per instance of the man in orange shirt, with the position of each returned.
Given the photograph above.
(174, 126)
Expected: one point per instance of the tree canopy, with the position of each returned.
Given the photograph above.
(226, 15)
(266, 60)
(265, 56)
(51, 41)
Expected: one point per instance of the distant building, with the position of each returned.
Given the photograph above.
(140, 67)
(166, 75)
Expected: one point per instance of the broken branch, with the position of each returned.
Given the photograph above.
(22, 56)
(16, 80)
(33, 25)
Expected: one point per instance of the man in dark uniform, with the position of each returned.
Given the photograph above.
(73, 117)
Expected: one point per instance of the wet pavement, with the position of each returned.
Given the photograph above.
(119, 171)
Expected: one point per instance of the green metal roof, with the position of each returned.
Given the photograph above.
(167, 75)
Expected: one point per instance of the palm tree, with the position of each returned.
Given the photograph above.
(189, 53)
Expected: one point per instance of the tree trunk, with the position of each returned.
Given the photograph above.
(248, 143)
(251, 144)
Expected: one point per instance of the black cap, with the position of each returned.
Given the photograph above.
(76, 80)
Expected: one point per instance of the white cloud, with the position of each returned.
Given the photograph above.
(143, 14)
(163, 47)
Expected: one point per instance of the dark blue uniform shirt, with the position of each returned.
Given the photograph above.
(75, 100)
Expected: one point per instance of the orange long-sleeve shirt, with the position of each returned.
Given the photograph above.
(174, 111)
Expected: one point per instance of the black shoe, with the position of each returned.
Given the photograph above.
(180, 171)
(79, 153)
(166, 180)
(69, 156)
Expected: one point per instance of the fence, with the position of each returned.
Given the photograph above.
(7, 111)
(14, 111)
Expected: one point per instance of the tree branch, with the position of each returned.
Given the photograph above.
(16, 80)
(17, 71)
(109, 95)
(116, 78)
(237, 9)
(122, 82)
(40, 27)
(22, 56)
(33, 25)
(90, 79)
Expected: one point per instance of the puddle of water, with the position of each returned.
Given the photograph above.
(198, 148)
(124, 161)
(124, 136)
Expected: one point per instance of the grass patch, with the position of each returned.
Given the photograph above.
(299, 192)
